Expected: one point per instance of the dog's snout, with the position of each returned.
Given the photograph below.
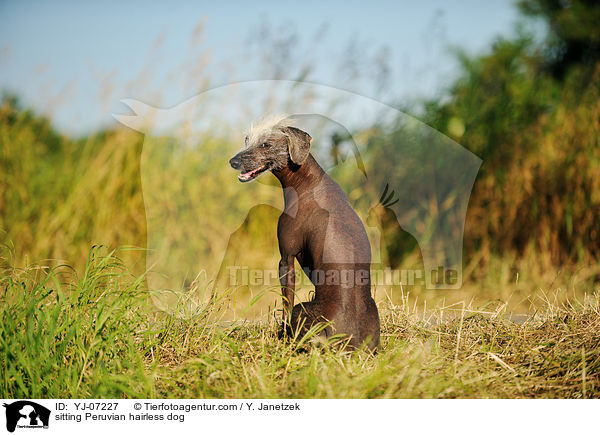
(236, 162)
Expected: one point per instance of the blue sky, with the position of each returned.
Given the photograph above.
(76, 60)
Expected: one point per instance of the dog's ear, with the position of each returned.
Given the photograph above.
(298, 144)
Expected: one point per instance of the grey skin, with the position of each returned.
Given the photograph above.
(319, 228)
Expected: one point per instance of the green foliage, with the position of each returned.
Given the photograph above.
(537, 134)
(574, 37)
(497, 97)
(59, 196)
(93, 335)
(77, 338)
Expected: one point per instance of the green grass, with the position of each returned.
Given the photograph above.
(65, 334)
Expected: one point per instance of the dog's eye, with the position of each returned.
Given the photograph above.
(265, 145)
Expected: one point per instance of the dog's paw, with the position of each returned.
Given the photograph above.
(284, 331)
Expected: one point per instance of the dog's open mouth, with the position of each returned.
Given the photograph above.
(251, 175)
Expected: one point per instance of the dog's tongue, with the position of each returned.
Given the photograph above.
(247, 175)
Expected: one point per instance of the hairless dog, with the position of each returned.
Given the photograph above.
(319, 228)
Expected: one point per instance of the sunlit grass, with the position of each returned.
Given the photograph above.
(95, 334)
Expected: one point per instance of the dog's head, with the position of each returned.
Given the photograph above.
(273, 144)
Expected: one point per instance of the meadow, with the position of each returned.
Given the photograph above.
(94, 334)
(78, 317)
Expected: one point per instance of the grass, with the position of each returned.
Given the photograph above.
(92, 329)
(65, 334)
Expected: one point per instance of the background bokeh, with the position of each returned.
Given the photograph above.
(517, 84)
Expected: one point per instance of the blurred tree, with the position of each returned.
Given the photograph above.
(574, 32)
(531, 112)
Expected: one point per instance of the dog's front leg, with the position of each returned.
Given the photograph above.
(287, 279)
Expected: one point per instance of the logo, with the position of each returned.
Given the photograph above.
(26, 414)
(422, 178)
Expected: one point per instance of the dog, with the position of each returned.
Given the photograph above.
(319, 228)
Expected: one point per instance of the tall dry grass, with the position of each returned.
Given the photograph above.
(60, 196)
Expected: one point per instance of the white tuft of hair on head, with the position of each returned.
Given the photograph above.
(268, 124)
